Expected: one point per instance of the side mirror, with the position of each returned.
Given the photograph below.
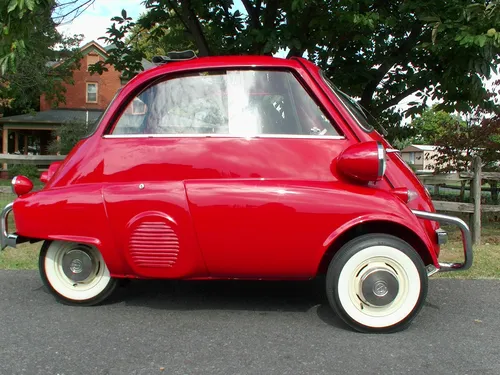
(363, 162)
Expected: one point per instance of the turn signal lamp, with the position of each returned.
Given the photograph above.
(21, 185)
(406, 195)
(47, 175)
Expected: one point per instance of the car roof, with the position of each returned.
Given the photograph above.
(219, 62)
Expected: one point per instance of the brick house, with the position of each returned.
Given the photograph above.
(85, 101)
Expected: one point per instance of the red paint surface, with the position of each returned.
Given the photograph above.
(360, 162)
(202, 207)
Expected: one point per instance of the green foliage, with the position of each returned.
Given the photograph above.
(401, 144)
(19, 20)
(28, 170)
(27, 73)
(70, 133)
(380, 52)
(457, 146)
(433, 125)
(124, 57)
(33, 76)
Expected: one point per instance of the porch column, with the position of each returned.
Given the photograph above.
(26, 144)
(58, 138)
(5, 144)
(16, 141)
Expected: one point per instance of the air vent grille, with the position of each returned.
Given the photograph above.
(154, 244)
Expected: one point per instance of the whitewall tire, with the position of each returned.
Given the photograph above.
(377, 283)
(75, 273)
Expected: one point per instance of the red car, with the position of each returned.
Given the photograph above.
(242, 167)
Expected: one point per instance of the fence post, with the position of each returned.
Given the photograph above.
(476, 200)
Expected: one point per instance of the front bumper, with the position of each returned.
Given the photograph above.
(6, 238)
(441, 238)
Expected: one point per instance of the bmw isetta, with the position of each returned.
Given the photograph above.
(237, 167)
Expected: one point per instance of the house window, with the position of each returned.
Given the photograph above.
(91, 92)
(91, 60)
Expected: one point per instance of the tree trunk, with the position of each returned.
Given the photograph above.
(192, 22)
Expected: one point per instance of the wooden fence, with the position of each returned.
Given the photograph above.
(30, 159)
(42, 161)
(475, 208)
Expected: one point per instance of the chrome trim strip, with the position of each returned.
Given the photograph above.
(12, 184)
(392, 151)
(381, 159)
(466, 239)
(7, 239)
(283, 136)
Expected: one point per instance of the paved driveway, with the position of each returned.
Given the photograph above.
(240, 328)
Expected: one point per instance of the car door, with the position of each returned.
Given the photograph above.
(267, 217)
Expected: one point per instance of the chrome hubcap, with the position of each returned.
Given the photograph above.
(78, 265)
(379, 287)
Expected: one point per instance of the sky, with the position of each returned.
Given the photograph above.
(94, 22)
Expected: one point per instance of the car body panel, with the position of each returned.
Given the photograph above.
(281, 228)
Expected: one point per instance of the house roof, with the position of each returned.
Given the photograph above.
(413, 148)
(104, 51)
(53, 116)
(96, 45)
(85, 49)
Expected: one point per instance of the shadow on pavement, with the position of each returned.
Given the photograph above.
(259, 296)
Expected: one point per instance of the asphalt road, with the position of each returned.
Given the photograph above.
(157, 327)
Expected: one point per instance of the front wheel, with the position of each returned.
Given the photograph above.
(75, 273)
(377, 283)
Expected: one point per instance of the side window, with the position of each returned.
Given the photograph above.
(233, 102)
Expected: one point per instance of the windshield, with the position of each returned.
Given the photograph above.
(355, 109)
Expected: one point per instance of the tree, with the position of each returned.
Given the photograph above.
(22, 20)
(433, 125)
(458, 142)
(27, 73)
(69, 134)
(378, 51)
(35, 74)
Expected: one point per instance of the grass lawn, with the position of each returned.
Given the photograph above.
(24, 257)
(486, 256)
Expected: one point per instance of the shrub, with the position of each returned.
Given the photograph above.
(28, 170)
(70, 133)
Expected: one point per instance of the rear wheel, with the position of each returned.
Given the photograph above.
(75, 273)
(377, 283)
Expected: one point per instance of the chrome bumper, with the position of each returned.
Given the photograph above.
(442, 236)
(6, 238)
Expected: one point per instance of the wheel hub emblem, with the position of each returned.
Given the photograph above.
(380, 288)
(76, 266)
